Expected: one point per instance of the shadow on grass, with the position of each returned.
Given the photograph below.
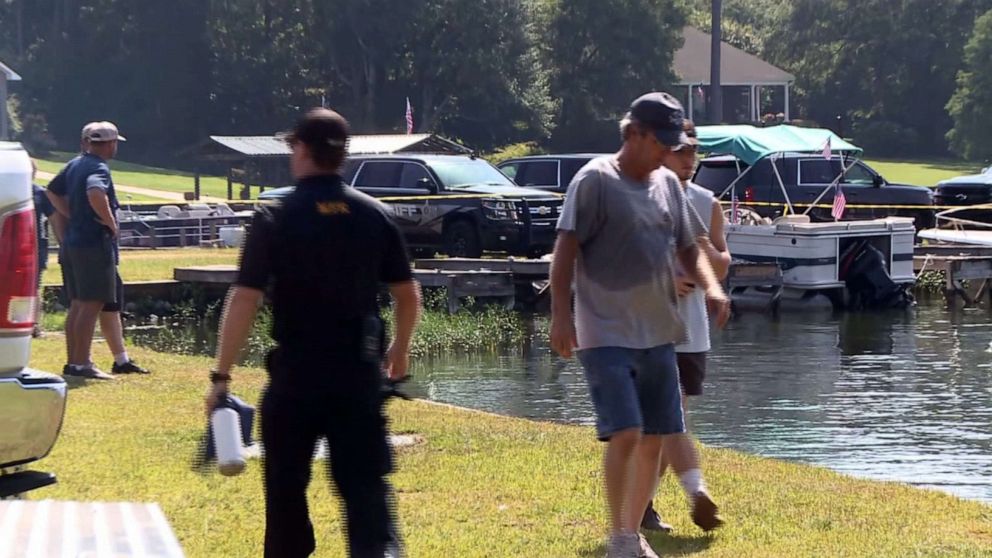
(664, 545)
(75, 382)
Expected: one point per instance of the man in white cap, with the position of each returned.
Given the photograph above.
(110, 317)
(89, 256)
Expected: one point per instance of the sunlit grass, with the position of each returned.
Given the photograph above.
(480, 486)
(143, 176)
(922, 172)
(153, 265)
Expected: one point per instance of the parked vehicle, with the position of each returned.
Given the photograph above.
(762, 174)
(958, 194)
(546, 172)
(32, 403)
(455, 204)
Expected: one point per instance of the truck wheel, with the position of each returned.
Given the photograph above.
(461, 240)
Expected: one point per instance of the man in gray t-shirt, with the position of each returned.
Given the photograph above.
(625, 220)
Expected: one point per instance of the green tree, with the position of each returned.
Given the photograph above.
(475, 72)
(601, 56)
(971, 105)
(885, 67)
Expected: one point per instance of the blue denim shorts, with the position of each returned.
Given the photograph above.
(634, 388)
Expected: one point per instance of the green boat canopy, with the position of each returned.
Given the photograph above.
(751, 144)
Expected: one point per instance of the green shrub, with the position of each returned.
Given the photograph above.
(515, 150)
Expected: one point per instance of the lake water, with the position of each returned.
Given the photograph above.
(903, 396)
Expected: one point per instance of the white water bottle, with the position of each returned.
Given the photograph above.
(225, 424)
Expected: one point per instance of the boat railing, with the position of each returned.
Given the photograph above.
(959, 223)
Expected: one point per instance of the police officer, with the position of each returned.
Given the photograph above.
(323, 253)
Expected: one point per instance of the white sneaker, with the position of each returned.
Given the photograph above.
(623, 545)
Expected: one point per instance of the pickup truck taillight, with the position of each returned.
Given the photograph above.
(18, 270)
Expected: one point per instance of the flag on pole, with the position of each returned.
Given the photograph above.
(840, 202)
(826, 149)
(409, 117)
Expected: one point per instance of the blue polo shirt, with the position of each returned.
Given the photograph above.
(83, 174)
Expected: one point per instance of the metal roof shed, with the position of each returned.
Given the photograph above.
(240, 147)
(737, 69)
(263, 158)
(6, 75)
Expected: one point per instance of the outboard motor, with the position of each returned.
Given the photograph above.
(864, 272)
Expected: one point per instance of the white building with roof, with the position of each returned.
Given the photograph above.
(743, 77)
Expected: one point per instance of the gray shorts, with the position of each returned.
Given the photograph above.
(89, 273)
(634, 388)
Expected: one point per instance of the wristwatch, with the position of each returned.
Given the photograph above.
(218, 377)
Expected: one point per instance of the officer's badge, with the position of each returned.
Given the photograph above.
(333, 208)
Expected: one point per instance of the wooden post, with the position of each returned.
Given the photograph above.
(230, 184)
(196, 186)
(182, 237)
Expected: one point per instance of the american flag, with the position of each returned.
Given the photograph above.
(409, 117)
(826, 149)
(840, 202)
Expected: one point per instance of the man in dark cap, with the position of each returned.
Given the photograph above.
(322, 253)
(624, 221)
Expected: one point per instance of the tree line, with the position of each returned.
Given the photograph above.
(902, 77)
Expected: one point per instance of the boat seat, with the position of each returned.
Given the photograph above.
(223, 210)
(168, 212)
(126, 215)
(791, 219)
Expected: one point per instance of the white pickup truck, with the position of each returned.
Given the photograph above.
(32, 402)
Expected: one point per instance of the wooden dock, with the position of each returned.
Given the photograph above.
(459, 284)
(960, 263)
(508, 281)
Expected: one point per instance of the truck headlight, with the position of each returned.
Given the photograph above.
(500, 210)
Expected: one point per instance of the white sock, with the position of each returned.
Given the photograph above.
(78, 366)
(121, 359)
(692, 481)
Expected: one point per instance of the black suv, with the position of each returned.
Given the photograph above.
(456, 204)
(546, 172)
(805, 176)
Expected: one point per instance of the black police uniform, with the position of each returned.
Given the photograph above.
(324, 252)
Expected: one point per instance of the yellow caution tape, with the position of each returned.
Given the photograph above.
(850, 205)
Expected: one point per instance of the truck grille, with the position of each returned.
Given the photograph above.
(544, 210)
(962, 195)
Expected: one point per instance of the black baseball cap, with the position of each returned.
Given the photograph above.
(663, 114)
(320, 126)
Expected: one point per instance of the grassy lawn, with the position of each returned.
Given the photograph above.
(147, 177)
(480, 485)
(923, 172)
(152, 265)
(124, 198)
